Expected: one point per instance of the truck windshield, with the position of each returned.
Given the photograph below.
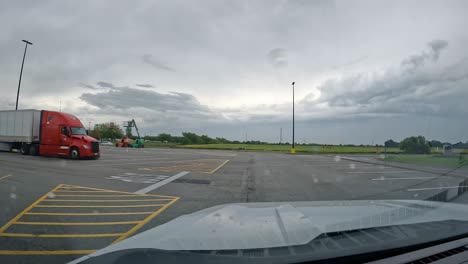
(78, 131)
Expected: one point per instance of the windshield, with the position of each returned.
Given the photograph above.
(204, 123)
(78, 131)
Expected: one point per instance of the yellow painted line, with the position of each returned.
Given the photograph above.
(16, 218)
(46, 252)
(67, 191)
(105, 201)
(97, 206)
(103, 190)
(4, 177)
(146, 220)
(77, 223)
(59, 235)
(219, 167)
(99, 195)
(121, 213)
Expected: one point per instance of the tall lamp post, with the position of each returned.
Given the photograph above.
(21, 72)
(293, 150)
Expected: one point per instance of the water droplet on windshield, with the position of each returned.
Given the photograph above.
(415, 195)
(13, 195)
(316, 180)
(337, 158)
(51, 195)
(352, 166)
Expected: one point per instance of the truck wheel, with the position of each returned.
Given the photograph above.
(33, 150)
(24, 149)
(74, 153)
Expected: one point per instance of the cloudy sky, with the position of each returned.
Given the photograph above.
(365, 71)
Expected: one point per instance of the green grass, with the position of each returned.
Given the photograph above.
(287, 148)
(432, 160)
(159, 145)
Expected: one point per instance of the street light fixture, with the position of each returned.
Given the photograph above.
(21, 72)
(293, 150)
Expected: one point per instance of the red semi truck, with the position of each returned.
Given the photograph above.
(46, 133)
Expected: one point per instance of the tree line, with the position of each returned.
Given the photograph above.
(113, 131)
(419, 145)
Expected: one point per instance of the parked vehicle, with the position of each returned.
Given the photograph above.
(107, 143)
(46, 133)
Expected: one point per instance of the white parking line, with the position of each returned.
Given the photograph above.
(407, 178)
(435, 188)
(161, 183)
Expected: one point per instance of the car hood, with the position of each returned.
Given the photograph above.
(265, 225)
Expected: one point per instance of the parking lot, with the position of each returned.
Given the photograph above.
(55, 210)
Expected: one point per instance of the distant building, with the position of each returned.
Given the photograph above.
(447, 150)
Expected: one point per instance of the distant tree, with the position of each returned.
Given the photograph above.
(391, 144)
(435, 144)
(165, 137)
(108, 130)
(415, 145)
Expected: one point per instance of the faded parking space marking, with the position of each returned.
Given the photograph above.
(4, 177)
(208, 166)
(85, 228)
(138, 178)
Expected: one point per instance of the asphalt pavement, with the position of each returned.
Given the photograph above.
(54, 210)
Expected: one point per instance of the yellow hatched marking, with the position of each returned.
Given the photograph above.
(97, 206)
(63, 188)
(46, 252)
(99, 195)
(105, 201)
(78, 223)
(122, 213)
(103, 190)
(146, 220)
(16, 218)
(59, 235)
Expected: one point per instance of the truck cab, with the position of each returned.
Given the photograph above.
(63, 134)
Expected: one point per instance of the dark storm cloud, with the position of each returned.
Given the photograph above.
(421, 88)
(416, 61)
(89, 86)
(151, 60)
(232, 54)
(151, 106)
(143, 85)
(105, 85)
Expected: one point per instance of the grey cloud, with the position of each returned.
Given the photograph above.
(105, 85)
(144, 85)
(172, 108)
(416, 61)
(415, 90)
(277, 57)
(151, 60)
(89, 86)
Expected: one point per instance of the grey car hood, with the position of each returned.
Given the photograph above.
(264, 225)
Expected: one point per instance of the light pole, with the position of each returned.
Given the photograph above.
(293, 150)
(21, 72)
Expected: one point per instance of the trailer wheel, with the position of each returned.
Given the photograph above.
(33, 150)
(74, 153)
(24, 149)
